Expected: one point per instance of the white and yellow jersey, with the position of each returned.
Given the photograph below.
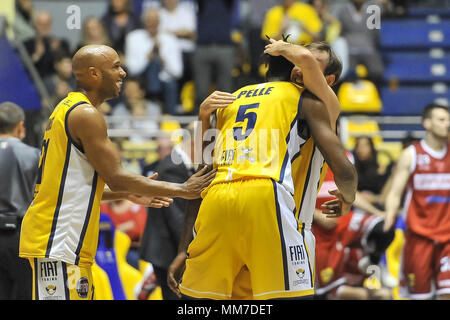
(62, 222)
(253, 237)
(259, 136)
(310, 170)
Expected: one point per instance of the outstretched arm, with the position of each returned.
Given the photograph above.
(88, 128)
(313, 77)
(155, 202)
(316, 115)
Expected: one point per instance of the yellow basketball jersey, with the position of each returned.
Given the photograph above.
(259, 136)
(254, 133)
(62, 222)
(310, 170)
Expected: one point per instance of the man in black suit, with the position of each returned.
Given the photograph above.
(164, 226)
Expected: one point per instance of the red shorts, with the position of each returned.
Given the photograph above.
(425, 269)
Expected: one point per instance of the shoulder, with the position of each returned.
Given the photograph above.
(25, 153)
(311, 99)
(85, 116)
(32, 151)
(407, 158)
(86, 109)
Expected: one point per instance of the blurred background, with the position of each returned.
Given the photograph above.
(395, 56)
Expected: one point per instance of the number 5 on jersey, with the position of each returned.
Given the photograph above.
(242, 114)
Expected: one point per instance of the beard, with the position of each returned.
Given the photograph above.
(109, 88)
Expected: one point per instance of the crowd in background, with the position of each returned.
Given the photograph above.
(173, 44)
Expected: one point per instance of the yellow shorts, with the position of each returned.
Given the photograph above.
(57, 280)
(247, 245)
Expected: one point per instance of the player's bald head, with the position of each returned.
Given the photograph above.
(92, 56)
(97, 67)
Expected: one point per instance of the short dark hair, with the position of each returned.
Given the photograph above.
(278, 66)
(60, 55)
(334, 65)
(426, 112)
(10, 115)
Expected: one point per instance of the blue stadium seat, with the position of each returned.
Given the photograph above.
(401, 127)
(15, 83)
(417, 67)
(410, 100)
(414, 33)
(414, 56)
(423, 12)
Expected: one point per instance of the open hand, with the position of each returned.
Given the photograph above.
(275, 47)
(337, 207)
(175, 272)
(198, 182)
(216, 100)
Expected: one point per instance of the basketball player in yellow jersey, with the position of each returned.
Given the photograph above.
(250, 241)
(61, 227)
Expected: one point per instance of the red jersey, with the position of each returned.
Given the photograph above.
(427, 205)
(135, 213)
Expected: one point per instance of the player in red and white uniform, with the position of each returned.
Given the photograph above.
(342, 242)
(424, 168)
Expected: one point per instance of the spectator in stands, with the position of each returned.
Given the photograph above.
(297, 19)
(165, 146)
(136, 105)
(179, 19)
(371, 176)
(62, 77)
(157, 57)
(129, 218)
(23, 21)
(164, 226)
(331, 32)
(43, 46)
(118, 21)
(362, 41)
(255, 18)
(396, 8)
(93, 32)
(214, 54)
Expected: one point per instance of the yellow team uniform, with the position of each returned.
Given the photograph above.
(253, 235)
(61, 227)
(301, 16)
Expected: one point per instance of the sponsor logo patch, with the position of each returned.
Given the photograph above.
(83, 287)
